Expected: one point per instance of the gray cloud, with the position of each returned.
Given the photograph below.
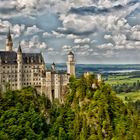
(95, 10)
(98, 31)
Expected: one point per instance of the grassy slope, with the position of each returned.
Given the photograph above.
(132, 96)
(116, 79)
(120, 80)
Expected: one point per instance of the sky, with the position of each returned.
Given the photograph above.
(97, 31)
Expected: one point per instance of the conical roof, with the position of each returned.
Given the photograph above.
(9, 35)
(19, 49)
(53, 63)
(70, 53)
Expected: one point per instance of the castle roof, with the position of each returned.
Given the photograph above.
(9, 35)
(10, 57)
(35, 58)
(70, 53)
(19, 49)
(53, 63)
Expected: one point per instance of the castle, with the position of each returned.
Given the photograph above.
(19, 69)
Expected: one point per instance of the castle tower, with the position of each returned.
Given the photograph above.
(57, 89)
(99, 78)
(19, 68)
(71, 64)
(53, 68)
(9, 42)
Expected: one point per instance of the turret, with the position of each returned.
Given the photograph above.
(19, 54)
(99, 78)
(19, 68)
(9, 42)
(53, 69)
(71, 64)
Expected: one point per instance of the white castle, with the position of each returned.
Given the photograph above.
(20, 70)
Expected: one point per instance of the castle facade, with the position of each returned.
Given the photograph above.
(19, 69)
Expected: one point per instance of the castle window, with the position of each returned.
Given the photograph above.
(53, 94)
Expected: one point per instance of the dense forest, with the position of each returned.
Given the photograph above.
(87, 114)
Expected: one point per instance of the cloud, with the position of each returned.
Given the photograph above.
(27, 3)
(90, 23)
(109, 53)
(82, 41)
(32, 30)
(106, 46)
(43, 45)
(90, 10)
(107, 37)
(76, 23)
(66, 48)
(135, 35)
(57, 34)
(50, 49)
(119, 39)
(106, 30)
(46, 34)
(34, 43)
(18, 30)
(71, 36)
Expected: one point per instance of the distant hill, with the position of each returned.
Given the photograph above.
(100, 68)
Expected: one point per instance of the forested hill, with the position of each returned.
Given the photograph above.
(87, 114)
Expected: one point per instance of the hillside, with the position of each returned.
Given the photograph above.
(22, 115)
(98, 113)
(87, 114)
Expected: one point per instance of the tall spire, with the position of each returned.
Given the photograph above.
(9, 35)
(19, 49)
(9, 42)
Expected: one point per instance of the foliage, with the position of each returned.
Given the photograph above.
(135, 105)
(87, 114)
(125, 87)
(94, 114)
(21, 117)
